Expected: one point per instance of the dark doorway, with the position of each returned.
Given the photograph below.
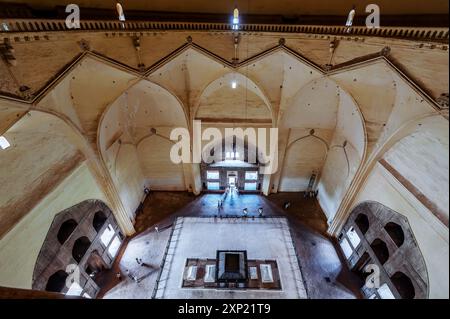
(80, 247)
(99, 220)
(404, 285)
(66, 230)
(56, 281)
(395, 231)
(380, 249)
(362, 221)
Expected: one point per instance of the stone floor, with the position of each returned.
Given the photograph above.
(150, 247)
(262, 238)
(323, 268)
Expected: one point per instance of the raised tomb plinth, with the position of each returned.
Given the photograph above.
(231, 270)
(225, 258)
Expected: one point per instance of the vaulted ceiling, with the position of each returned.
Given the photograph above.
(96, 91)
(275, 84)
(37, 63)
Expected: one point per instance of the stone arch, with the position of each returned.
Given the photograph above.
(362, 222)
(145, 103)
(57, 281)
(432, 121)
(347, 138)
(380, 249)
(27, 180)
(75, 137)
(385, 251)
(303, 163)
(246, 89)
(75, 250)
(144, 110)
(66, 230)
(80, 247)
(404, 285)
(396, 233)
(229, 162)
(99, 220)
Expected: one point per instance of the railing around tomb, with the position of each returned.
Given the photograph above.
(53, 25)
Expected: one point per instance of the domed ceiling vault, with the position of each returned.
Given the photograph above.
(276, 85)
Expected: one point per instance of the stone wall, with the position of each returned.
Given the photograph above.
(404, 256)
(56, 256)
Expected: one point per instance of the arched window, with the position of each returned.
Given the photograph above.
(404, 285)
(66, 230)
(380, 249)
(99, 220)
(395, 231)
(56, 281)
(362, 221)
(80, 247)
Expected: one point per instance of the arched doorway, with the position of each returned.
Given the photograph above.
(388, 244)
(75, 236)
(404, 285)
(396, 233)
(57, 281)
(232, 164)
(66, 230)
(99, 220)
(381, 250)
(80, 247)
(362, 221)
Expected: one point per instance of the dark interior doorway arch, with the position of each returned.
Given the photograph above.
(362, 221)
(99, 220)
(381, 250)
(388, 242)
(56, 281)
(395, 231)
(404, 285)
(80, 247)
(66, 230)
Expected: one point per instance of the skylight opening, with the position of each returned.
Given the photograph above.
(235, 19)
(4, 144)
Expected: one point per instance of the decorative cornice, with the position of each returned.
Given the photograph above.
(433, 34)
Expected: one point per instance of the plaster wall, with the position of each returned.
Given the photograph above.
(305, 156)
(430, 233)
(41, 156)
(342, 161)
(20, 247)
(422, 159)
(158, 169)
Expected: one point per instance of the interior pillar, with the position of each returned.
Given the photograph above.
(283, 139)
(196, 179)
(104, 180)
